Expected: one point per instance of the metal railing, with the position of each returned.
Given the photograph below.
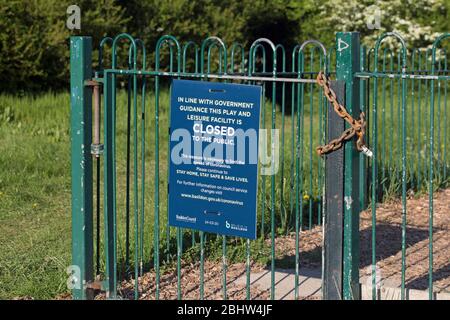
(133, 234)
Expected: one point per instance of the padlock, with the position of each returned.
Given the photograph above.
(366, 151)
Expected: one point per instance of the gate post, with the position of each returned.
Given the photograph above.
(81, 164)
(334, 203)
(347, 63)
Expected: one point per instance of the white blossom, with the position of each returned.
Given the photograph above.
(395, 16)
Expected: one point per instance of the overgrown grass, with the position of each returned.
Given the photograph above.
(34, 195)
(417, 121)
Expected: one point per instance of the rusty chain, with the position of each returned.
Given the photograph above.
(358, 127)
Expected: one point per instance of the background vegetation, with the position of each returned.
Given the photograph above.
(34, 41)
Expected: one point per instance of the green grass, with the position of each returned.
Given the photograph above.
(34, 195)
(389, 135)
(35, 216)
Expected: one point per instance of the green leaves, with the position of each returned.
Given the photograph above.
(414, 20)
(34, 41)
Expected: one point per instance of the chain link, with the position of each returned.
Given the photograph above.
(358, 127)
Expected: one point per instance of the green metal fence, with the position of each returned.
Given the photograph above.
(405, 94)
(135, 249)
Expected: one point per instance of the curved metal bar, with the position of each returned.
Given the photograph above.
(428, 54)
(431, 166)
(208, 65)
(445, 59)
(283, 52)
(171, 40)
(100, 51)
(402, 55)
(252, 59)
(369, 52)
(391, 59)
(294, 51)
(321, 58)
(435, 44)
(144, 53)
(399, 61)
(170, 56)
(213, 40)
(413, 56)
(329, 55)
(140, 43)
(256, 44)
(300, 62)
(233, 52)
(133, 46)
(403, 51)
(185, 48)
(317, 44)
(156, 225)
(431, 160)
(443, 52)
(421, 58)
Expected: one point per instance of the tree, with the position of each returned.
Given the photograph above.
(34, 41)
(413, 19)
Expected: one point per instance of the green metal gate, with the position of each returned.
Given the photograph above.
(133, 253)
(405, 93)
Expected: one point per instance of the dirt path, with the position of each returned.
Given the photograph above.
(388, 253)
(388, 246)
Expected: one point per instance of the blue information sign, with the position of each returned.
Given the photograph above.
(214, 133)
